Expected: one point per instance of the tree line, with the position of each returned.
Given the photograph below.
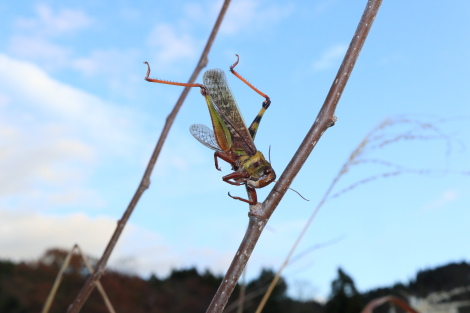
(24, 287)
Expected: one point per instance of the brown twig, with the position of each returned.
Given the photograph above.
(58, 280)
(145, 182)
(369, 308)
(260, 213)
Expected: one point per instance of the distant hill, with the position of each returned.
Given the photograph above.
(24, 287)
(442, 289)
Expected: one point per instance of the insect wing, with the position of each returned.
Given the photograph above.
(224, 102)
(204, 135)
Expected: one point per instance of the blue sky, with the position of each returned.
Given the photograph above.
(78, 125)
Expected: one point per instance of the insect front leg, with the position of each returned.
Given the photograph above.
(253, 197)
(227, 158)
(235, 177)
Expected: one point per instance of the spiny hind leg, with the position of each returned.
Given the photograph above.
(254, 125)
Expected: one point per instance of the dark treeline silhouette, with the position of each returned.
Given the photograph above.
(24, 287)
(451, 282)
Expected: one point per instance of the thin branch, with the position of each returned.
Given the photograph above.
(260, 213)
(145, 182)
(241, 298)
(58, 280)
(369, 308)
(52, 293)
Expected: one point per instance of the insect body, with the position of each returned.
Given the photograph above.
(230, 138)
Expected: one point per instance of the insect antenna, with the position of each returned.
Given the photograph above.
(295, 192)
(299, 194)
(269, 158)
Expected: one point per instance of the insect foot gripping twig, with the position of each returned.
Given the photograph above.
(257, 212)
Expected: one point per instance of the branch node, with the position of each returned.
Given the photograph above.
(332, 122)
(146, 183)
(256, 211)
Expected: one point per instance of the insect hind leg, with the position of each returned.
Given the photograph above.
(255, 124)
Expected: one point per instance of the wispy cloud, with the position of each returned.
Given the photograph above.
(39, 49)
(175, 41)
(242, 15)
(171, 43)
(50, 23)
(105, 61)
(320, 7)
(249, 14)
(440, 201)
(330, 57)
(37, 38)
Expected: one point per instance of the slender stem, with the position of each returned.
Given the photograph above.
(145, 182)
(325, 118)
(260, 213)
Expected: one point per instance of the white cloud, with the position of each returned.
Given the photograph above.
(172, 45)
(27, 159)
(175, 43)
(53, 137)
(249, 14)
(49, 23)
(39, 49)
(34, 37)
(116, 66)
(107, 62)
(196, 11)
(27, 235)
(330, 57)
(36, 92)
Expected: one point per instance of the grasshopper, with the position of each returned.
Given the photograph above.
(232, 141)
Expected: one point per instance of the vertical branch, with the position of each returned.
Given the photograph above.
(145, 182)
(260, 213)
